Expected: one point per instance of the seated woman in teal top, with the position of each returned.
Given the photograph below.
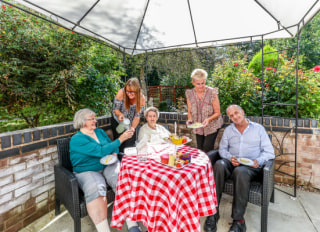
(87, 147)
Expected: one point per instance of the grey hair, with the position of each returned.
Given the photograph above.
(154, 109)
(199, 74)
(80, 117)
(229, 107)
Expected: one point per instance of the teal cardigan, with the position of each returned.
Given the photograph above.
(85, 152)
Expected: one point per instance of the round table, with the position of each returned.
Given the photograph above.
(165, 198)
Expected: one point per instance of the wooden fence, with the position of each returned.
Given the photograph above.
(160, 93)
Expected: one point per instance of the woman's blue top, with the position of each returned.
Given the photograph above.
(85, 152)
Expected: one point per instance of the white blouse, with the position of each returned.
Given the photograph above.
(153, 135)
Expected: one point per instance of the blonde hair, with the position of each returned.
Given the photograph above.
(135, 85)
(199, 74)
(151, 108)
(80, 117)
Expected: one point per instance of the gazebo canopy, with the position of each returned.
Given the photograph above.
(136, 26)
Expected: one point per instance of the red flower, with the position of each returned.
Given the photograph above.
(316, 68)
(267, 85)
(3, 7)
(236, 64)
(13, 29)
(243, 70)
(274, 69)
(257, 79)
(268, 69)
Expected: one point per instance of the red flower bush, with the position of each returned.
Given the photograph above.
(316, 68)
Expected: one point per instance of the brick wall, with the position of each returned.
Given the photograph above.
(27, 158)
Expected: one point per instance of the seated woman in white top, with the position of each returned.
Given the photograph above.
(151, 131)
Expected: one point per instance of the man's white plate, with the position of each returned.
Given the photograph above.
(108, 159)
(246, 161)
(195, 125)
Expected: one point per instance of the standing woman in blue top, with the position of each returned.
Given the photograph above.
(87, 147)
(128, 103)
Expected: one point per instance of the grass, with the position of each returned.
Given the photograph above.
(12, 125)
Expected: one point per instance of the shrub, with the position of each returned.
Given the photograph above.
(269, 60)
(282, 88)
(236, 86)
(240, 86)
(164, 107)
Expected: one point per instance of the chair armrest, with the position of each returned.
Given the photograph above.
(268, 180)
(213, 156)
(67, 189)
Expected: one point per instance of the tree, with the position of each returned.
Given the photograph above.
(48, 72)
(309, 48)
(98, 79)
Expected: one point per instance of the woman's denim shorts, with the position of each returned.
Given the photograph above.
(93, 183)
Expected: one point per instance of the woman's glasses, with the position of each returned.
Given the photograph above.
(91, 119)
(130, 92)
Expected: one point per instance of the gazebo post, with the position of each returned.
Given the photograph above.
(296, 126)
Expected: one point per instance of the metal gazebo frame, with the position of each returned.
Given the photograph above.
(159, 50)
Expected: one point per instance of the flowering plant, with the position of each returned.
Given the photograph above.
(316, 68)
(238, 85)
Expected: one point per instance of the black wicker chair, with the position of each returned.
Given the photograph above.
(261, 193)
(67, 190)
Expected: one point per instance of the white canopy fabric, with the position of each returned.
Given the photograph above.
(136, 26)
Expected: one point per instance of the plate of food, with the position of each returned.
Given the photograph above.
(177, 140)
(246, 161)
(177, 162)
(195, 125)
(108, 159)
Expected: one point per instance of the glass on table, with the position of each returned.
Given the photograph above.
(142, 151)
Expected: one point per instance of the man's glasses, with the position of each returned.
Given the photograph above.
(91, 119)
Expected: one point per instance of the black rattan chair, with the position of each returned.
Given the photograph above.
(67, 191)
(260, 193)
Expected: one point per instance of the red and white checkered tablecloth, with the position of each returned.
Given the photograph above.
(164, 198)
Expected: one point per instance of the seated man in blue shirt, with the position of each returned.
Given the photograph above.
(241, 139)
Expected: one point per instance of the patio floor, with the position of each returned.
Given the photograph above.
(286, 214)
